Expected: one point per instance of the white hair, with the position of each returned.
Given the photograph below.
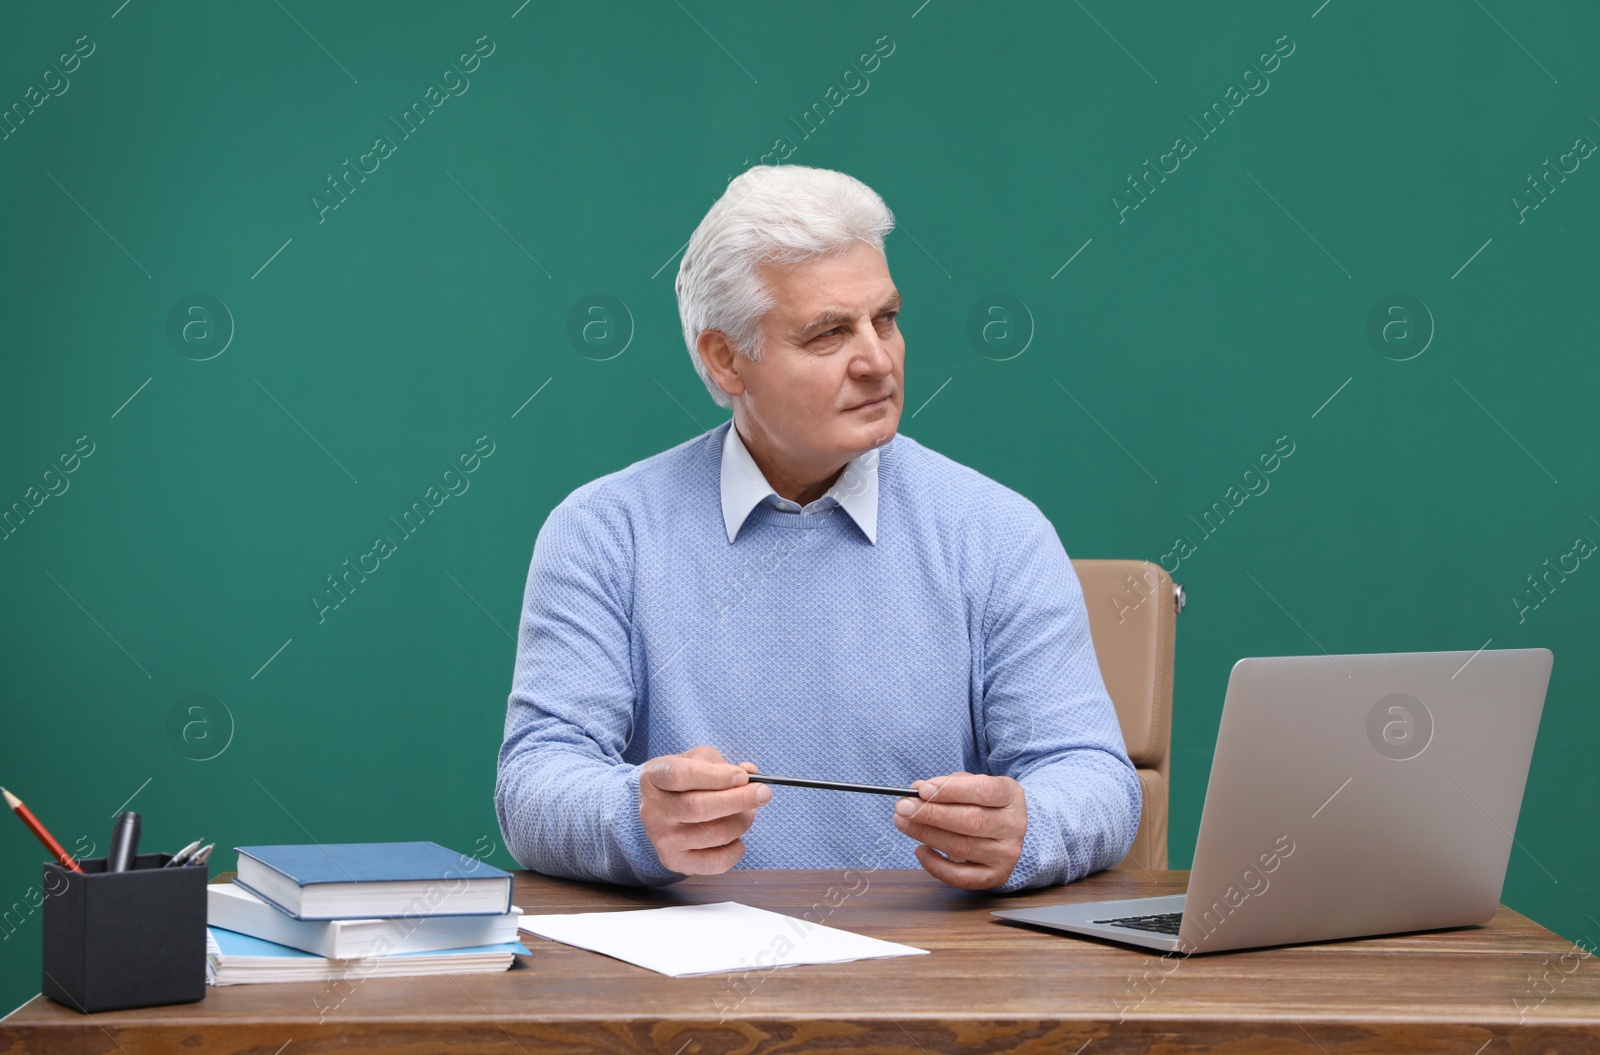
(777, 214)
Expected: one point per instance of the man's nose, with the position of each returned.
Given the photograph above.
(872, 357)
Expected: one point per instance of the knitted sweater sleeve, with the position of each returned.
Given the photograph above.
(1048, 721)
(567, 803)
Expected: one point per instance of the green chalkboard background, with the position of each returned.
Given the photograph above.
(267, 370)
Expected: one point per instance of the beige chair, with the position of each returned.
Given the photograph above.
(1133, 610)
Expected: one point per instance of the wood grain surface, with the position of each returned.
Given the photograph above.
(988, 987)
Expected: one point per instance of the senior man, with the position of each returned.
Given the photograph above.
(804, 590)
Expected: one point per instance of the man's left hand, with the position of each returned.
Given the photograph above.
(970, 827)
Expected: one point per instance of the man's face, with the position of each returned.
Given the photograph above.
(831, 381)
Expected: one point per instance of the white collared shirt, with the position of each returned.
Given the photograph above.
(744, 487)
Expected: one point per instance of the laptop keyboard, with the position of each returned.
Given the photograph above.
(1161, 923)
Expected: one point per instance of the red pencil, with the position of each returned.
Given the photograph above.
(39, 830)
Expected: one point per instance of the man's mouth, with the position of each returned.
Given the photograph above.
(872, 402)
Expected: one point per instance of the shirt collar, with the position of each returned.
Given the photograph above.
(744, 487)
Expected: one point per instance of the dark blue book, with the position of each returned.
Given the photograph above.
(372, 880)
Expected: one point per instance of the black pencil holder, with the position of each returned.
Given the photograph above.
(124, 939)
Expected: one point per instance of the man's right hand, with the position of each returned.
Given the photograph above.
(695, 806)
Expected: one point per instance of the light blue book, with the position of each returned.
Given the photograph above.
(232, 907)
(236, 959)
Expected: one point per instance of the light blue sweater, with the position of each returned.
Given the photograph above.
(959, 641)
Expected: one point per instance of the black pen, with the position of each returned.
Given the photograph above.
(124, 843)
(833, 785)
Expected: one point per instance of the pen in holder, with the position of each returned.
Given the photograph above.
(124, 939)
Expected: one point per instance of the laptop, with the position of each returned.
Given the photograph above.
(1349, 796)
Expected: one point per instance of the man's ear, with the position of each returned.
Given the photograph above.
(722, 362)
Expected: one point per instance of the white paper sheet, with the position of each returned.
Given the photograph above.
(709, 939)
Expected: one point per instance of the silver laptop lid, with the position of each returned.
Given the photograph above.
(1362, 794)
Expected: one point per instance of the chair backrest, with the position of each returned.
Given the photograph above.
(1133, 610)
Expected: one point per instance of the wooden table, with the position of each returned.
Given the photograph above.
(987, 987)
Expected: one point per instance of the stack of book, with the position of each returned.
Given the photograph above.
(358, 910)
